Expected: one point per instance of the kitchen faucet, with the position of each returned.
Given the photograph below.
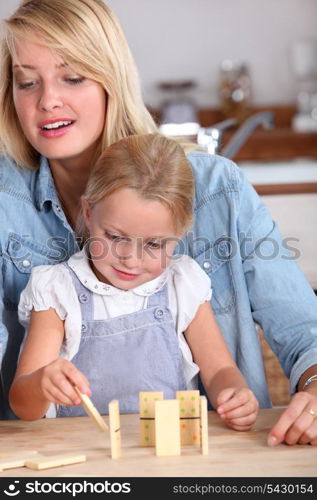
(210, 137)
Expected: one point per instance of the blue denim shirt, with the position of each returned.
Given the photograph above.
(254, 277)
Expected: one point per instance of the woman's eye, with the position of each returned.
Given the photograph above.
(25, 85)
(75, 80)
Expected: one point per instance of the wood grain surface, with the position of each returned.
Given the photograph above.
(231, 453)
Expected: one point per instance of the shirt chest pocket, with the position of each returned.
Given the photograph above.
(215, 260)
(21, 256)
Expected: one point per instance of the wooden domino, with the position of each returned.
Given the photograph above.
(18, 459)
(167, 431)
(5, 454)
(92, 410)
(204, 425)
(115, 432)
(147, 401)
(54, 461)
(189, 416)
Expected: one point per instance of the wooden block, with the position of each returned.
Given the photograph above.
(54, 461)
(167, 432)
(92, 410)
(147, 416)
(17, 460)
(189, 416)
(17, 453)
(115, 432)
(204, 425)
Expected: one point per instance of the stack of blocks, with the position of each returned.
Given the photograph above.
(168, 424)
(165, 424)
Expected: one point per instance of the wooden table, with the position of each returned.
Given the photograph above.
(231, 453)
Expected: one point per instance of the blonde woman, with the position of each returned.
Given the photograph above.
(68, 89)
(126, 315)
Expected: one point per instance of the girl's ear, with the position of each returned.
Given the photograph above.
(85, 211)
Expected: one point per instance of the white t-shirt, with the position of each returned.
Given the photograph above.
(52, 287)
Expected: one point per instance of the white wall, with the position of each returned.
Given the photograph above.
(174, 39)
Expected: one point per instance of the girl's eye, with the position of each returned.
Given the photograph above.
(154, 244)
(75, 81)
(114, 237)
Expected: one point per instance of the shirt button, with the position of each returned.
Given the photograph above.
(224, 249)
(82, 297)
(159, 313)
(207, 265)
(26, 263)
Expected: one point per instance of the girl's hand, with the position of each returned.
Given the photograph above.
(57, 382)
(298, 423)
(238, 407)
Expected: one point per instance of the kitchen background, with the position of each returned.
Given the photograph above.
(187, 39)
(268, 54)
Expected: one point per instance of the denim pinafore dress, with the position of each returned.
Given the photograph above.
(127, 354)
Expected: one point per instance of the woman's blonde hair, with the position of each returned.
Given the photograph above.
(154, 166)
(87, 35)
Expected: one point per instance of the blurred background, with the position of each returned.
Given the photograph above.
(189, 39)
(239, 77)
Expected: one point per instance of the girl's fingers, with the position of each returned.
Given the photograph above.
(240, 399)
(240, 428)
(60, 391)
(59, 379)
(237, 399)
(224, 396)
(242, 411)
(54, 395)
(245, 422)
(77, 378)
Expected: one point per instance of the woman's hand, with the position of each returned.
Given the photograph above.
(57, 380)
(238, 408)
(298, 423)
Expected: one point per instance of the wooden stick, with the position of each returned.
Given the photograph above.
(147, 416)
(54, 461)
(115, 432)
(167, 431)
(204, 425)
(16, 453)
(189, 416)
(92, 410)
(17, 460)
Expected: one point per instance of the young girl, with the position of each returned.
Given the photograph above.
(124, 315)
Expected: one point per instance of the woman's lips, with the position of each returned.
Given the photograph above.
(63, 126)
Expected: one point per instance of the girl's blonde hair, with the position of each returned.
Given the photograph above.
(154, 166)
(87, 35)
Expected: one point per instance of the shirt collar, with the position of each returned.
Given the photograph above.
(80, 265)
(45, 188)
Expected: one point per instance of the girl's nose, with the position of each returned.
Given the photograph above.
(50, 98)
(131, 255)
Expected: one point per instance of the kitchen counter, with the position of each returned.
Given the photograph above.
(281, 142)
(231, 453)
(282, 177)
(289, 190)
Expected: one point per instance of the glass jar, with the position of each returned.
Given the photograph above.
(235, 90)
